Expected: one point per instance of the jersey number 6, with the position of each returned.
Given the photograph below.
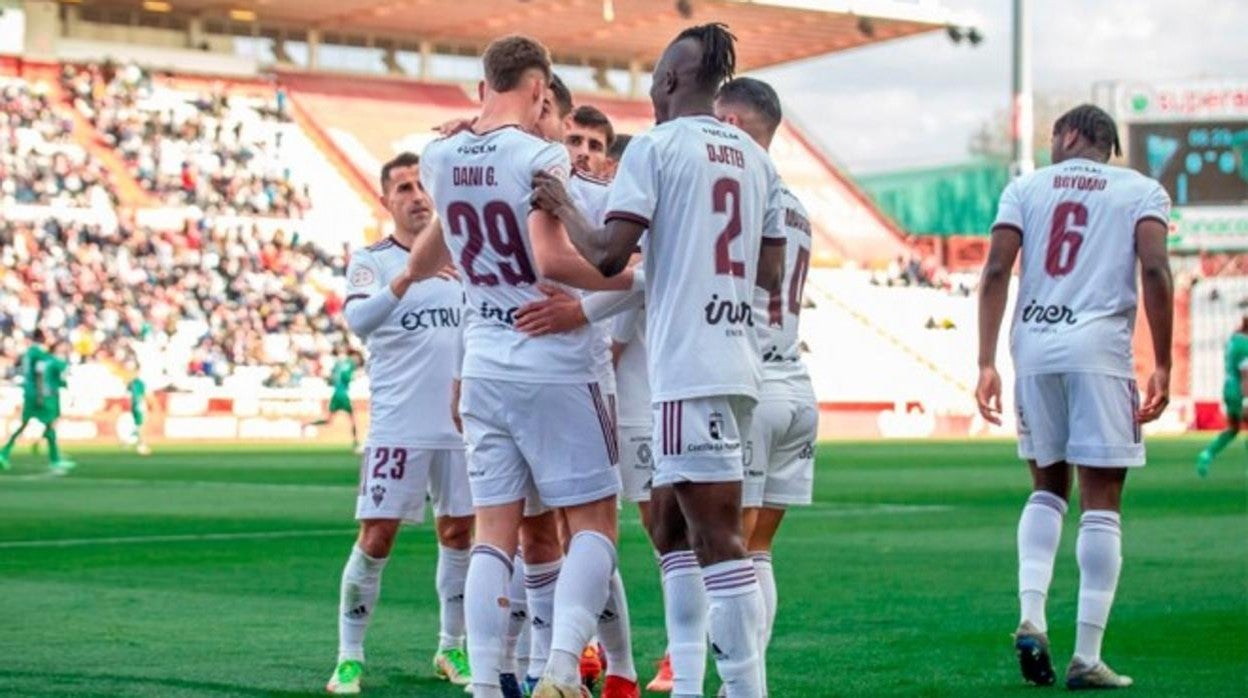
(1070, 219)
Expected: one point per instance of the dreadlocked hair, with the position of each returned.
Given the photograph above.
(1091, 122)
(719, 53)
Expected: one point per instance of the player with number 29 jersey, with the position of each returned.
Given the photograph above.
(1077, 289)
(482, 187)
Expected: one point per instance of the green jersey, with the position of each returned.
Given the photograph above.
(341, 375)
(138, 390)
(31, 362)
(1236, 361)
(44, 376)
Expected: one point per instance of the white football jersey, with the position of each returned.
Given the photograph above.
(708, 195)
(776, 317)
(632, 375)
(1077, 287)
(589, 194)
(412, 355)
(482, 186)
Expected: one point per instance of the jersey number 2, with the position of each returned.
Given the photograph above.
(726, 198)
(1070, 219)
(503, 233)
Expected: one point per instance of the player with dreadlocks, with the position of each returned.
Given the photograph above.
(1083, 226)
(714, 233)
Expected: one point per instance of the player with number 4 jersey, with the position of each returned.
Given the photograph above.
(1083, 227)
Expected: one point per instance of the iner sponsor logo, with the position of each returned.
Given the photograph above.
(725, 311)
(507, 316)
(430, 318)
(1048, 314)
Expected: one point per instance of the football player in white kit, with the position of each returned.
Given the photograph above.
(527, 404)
(709, 196)
(412, 331)
(780, 457)
(1083, 227)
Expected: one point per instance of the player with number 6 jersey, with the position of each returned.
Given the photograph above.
(1083, 227)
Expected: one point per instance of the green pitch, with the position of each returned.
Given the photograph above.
(214, 572)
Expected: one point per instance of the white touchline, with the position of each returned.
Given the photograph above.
(175, 538)
(61, 480)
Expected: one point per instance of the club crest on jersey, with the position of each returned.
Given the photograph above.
(1048, 314)
(362, 276)
(716, 426)
(378, 493)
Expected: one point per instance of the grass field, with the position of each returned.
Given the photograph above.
(214, 572)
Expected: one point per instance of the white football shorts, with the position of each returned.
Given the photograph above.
(636, 462)
(701, 439)
(780, 455)
(1086, 419)
(557, 439)
(395, 481)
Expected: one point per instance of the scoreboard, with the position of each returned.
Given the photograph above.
(1198, 162)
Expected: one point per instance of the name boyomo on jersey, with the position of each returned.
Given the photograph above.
(1077, 298)
(482, 186)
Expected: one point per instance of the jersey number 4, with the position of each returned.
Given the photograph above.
(1070, 220)
(497, 224)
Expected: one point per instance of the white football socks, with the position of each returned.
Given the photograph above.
(734, 618)
(486, 611)
(684, 611)
(361, 584)
(519, 617)
(539, 589)
(451, 574)
(1039, 533)
(615, 634)
(767, 587)
(1099, 550)
(580, 596)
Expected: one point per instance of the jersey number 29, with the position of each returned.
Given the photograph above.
(502, 231)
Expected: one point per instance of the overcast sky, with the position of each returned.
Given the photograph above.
(917, 101)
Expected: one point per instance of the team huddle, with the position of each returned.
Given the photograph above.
(565, 317)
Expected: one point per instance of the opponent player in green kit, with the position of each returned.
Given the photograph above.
(340, 376)
(43, 377)
(1232, 396)
(138, 410)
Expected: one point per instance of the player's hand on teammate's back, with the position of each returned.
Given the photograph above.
(549, 194)
(559, 311)
(454, 126)
(1157, 397)
(988, 395)
(449, 272)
